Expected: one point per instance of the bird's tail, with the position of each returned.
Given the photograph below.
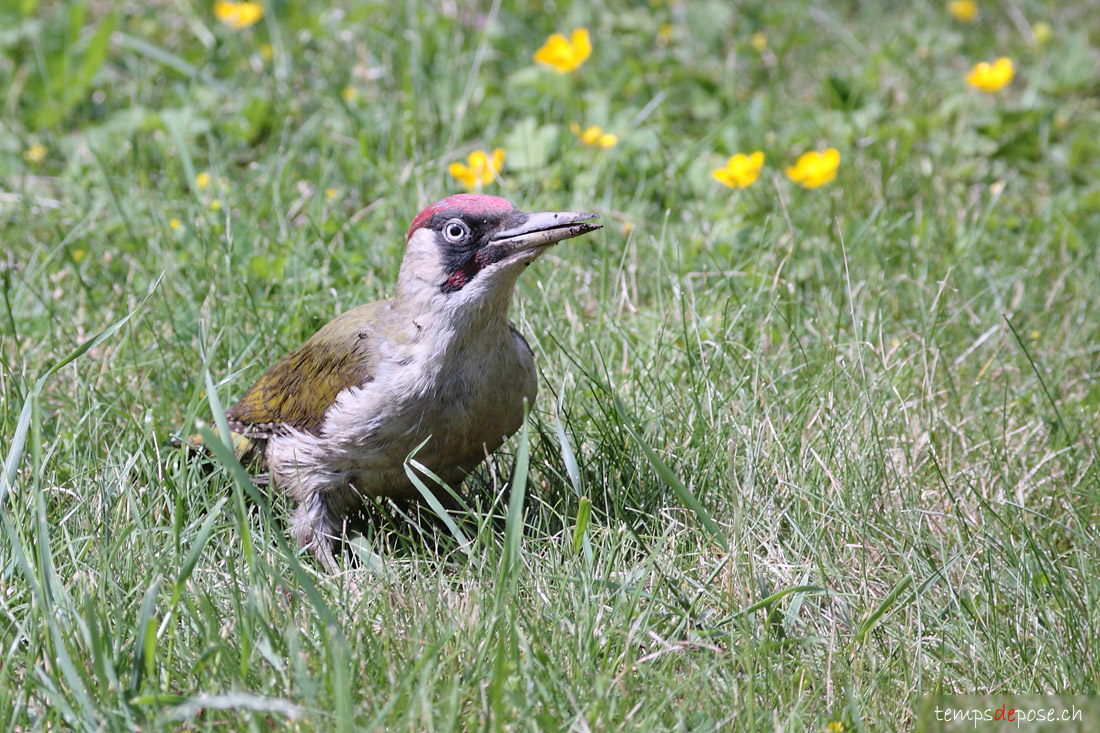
(250, 451)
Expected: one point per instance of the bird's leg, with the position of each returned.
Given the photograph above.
(316, 529)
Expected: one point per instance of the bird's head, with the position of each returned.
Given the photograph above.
(472, 247)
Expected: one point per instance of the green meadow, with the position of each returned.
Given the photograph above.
(805, 452)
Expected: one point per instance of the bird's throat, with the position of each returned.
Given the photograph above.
(484, 257)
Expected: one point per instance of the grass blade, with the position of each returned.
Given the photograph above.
(670, 479)
(169, 60)
(433, 501)
(19, 439)
(15, 452)
(887, 603)
(513, 524)
(145, 639)
(584, 512)
(197, 546)
(568, 457)
(765, 602)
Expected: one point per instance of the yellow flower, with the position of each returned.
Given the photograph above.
(238, 15)
(740, 170)
(202, 180)
(564, 55)
(815, 169)
(835, 726)
(349, 94)
(758, 41)
(174, 223)
(991, 77)
(330, 193)
(593, 135)
(215, 205)
(479, 170)
(35, 153)
(965, 11)
(79, 254)
(1042, 32)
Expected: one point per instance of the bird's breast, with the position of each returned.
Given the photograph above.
(478, 401)
(464, 403)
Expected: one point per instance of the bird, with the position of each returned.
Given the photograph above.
(438, 368)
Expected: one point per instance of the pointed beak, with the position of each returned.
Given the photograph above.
(544, 229)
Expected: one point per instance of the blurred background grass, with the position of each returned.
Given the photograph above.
(883, 391)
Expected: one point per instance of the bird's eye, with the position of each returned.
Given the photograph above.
(455, 231)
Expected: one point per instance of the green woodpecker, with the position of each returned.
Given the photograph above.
(334, 420)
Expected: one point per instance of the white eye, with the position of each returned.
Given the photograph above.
(455, 231)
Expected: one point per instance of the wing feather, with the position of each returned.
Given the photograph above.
(298, 390)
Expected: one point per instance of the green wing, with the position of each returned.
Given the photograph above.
(335, 358)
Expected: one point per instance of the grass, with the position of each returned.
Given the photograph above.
(799, 458)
